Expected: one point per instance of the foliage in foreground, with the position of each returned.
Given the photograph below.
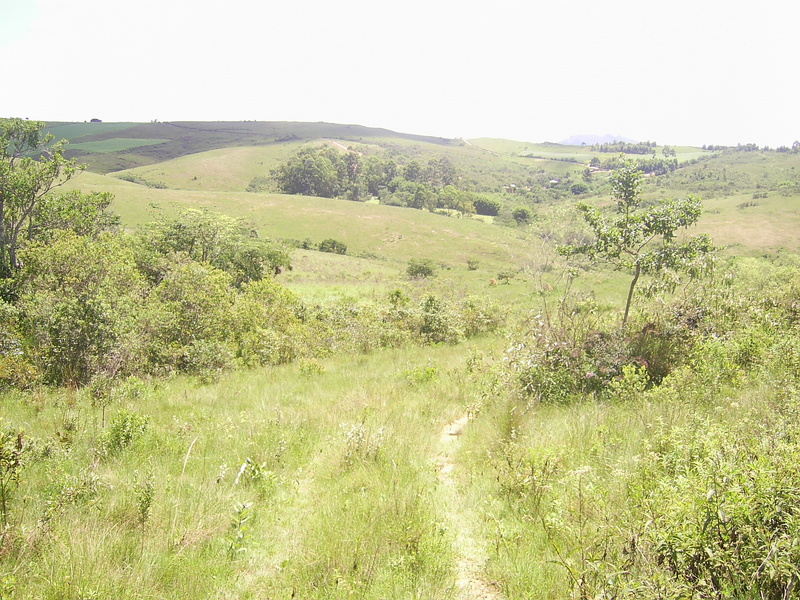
(682, 486)
(317, 479)
(86, 309)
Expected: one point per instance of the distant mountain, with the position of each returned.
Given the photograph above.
(578, 140)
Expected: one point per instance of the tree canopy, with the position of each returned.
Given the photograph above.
(31, 165)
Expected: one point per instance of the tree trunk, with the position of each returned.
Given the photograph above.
(630, 294)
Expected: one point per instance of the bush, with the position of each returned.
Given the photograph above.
(420, 268)
(487, 206)
(125, 427)
(578, 188)
(332, 246)
(522, 215)
(721, 513)
(439, 323)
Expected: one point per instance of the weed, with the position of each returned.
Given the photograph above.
(421, 375)
(239, 532)
(144, 489)
(360, 443)
(125, 427)
(257, 475)
(311, 368)
(8, 584)
(12, 453)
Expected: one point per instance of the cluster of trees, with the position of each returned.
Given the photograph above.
(795, 148)
(330, 173)
(655, 166)
(625, 147)
(84, 301)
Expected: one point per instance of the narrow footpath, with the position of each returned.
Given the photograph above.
(471, 559)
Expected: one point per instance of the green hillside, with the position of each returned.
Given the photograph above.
(182, 138)
(422, 386)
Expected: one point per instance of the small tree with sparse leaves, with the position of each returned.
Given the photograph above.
(642, 241)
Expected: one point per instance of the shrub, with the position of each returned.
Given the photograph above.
(522, 214)
(487, 206)
(419, 268)
(506, 276)
(720, 514)
(13, 449)
(578, 188)
(478, 316)
(439, 323)
(332, 246)
(125, 427)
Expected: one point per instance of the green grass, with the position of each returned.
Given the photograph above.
(341, 488)
(393, 233)
(225, 169)
(75, 131)
(323, 479)
(115, 144)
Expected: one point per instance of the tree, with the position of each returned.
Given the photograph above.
(83, 214)
(642, 242)
(222, 241)
(487, 206)
(31, 165)
(522, 215)
(311, 172)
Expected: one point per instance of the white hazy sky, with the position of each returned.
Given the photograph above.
(677, 72)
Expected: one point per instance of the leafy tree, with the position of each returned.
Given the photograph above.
(31, 165)
(578, 188)
(333, 246)
(455, 199)
(222, 241)
(413, 171)
(311, 172)
(83, 214)
(415, 195)
(419, 268)
(522, 214)
(641, 242)
(378, 173)
(487, 206)
(440, 172)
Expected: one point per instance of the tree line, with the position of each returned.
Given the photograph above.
(330, 173)
(625, 147)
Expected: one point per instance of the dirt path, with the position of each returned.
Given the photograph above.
(471, 583)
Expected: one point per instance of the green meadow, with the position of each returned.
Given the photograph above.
(483, 428)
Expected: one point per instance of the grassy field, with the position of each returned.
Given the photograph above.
(298, 481)
(115, 145)
(432, 471)
(405, 473)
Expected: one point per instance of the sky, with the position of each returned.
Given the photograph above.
(683, 72)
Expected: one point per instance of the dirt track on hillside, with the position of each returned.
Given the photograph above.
(471, 581)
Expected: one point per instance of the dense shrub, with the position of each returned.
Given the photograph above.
(420, 268)
(77, 302)
(487, 206)
(522, 215)
(333, 246)
(719, 515)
